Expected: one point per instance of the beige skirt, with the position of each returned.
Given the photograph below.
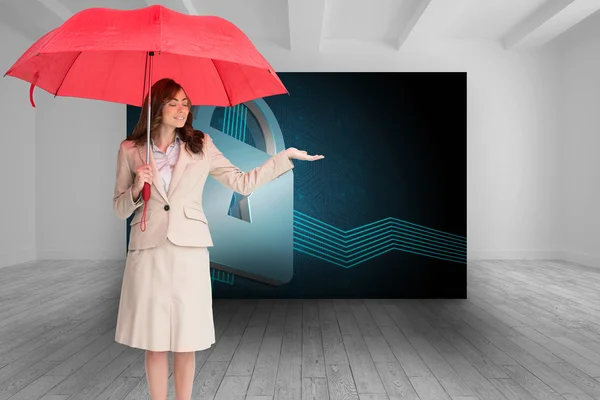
(166, 300)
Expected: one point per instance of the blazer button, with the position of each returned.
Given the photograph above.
(167, 207)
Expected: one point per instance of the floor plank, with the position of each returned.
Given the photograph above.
(528, 330)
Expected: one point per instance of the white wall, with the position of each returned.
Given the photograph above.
(77, 142)
(580, 138)
(513, 193)
(17, 196)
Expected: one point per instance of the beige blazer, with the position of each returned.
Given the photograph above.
(178, 215)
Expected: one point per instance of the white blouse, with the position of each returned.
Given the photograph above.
(165, 162)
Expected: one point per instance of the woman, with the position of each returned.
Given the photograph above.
(166, 297)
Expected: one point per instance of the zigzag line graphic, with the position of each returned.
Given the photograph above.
(352, 247)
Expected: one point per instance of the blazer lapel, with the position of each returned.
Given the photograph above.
(184, 159)
(156, 178)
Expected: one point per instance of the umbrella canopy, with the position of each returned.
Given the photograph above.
(117, 55)
(104, 54)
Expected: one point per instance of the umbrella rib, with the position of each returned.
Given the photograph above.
(67, 73)
(219, 75)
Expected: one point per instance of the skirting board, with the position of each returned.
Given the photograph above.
(17, 257)
(80, 255)
(515, 255)
(589, 260)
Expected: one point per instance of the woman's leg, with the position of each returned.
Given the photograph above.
(157, 373)
(184, 366)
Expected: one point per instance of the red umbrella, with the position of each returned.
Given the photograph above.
(116, 55)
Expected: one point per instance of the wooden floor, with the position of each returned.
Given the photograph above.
(529, 330)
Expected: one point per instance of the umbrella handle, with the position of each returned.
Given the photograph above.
(146, 197)
(146, 192)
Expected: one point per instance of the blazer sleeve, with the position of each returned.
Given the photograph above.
(123, 202)
(245, 182)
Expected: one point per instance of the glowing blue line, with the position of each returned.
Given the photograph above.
(299, 232)
(361, 254)
(299, 240)
(344, 262)
(308, 217)
(383, 226)
(312, 253)
(345, 238)
(344, 242)
(383, 251)
(370, 242)
(385, 220)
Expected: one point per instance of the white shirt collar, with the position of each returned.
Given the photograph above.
(177, 141)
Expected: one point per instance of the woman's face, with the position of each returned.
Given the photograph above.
(175, 112)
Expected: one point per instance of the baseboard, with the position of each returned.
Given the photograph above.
(17, 257)
(515, 255)
(589, 260)
(79, 255)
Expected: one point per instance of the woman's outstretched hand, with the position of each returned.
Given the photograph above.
(294, 153)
